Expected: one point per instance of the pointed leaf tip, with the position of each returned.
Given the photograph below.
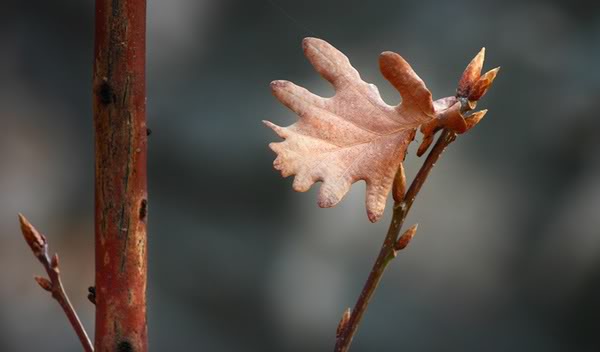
(277, 129)
(374, 215)
(277, 83)
(309, 40)
(268, 123)
(389, 57)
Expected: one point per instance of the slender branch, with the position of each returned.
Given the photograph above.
(391, 244)
(451, 120)
(39, 246)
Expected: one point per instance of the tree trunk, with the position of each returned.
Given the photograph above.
(120, 186)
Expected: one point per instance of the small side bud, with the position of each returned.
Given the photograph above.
(54, 262)
(44, 283)
(406, 237)
(35, 240)
(343, 322)
(399, 188)
(427, 140)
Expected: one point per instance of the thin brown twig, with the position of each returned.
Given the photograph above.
(348, 326)
(53, 284)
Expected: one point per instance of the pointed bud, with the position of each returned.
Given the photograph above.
(474, 118)
(404, 240)
(44, 283)
(35, 240)
(425, 143)
(343, 322)
(399, 187)
(471, 74)
(483, 84)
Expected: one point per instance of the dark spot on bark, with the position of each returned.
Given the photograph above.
(143, 209)
(116, 8)
(148, 131)
(125, 346)
(105, 93)
(92, 294)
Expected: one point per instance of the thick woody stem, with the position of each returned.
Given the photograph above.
(39, 246)
(120, 188)
(390, 244)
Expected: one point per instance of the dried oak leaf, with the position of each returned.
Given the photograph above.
(353, 135)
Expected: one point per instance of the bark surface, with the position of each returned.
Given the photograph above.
(120, 184)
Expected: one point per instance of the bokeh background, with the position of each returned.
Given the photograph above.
(507, 257)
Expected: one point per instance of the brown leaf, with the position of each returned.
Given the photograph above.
(352, 136)
(355, 135)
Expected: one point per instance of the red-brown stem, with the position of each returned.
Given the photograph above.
(120, 187)
(387, 251)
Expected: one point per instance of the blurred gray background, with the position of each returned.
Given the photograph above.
(507, 257)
